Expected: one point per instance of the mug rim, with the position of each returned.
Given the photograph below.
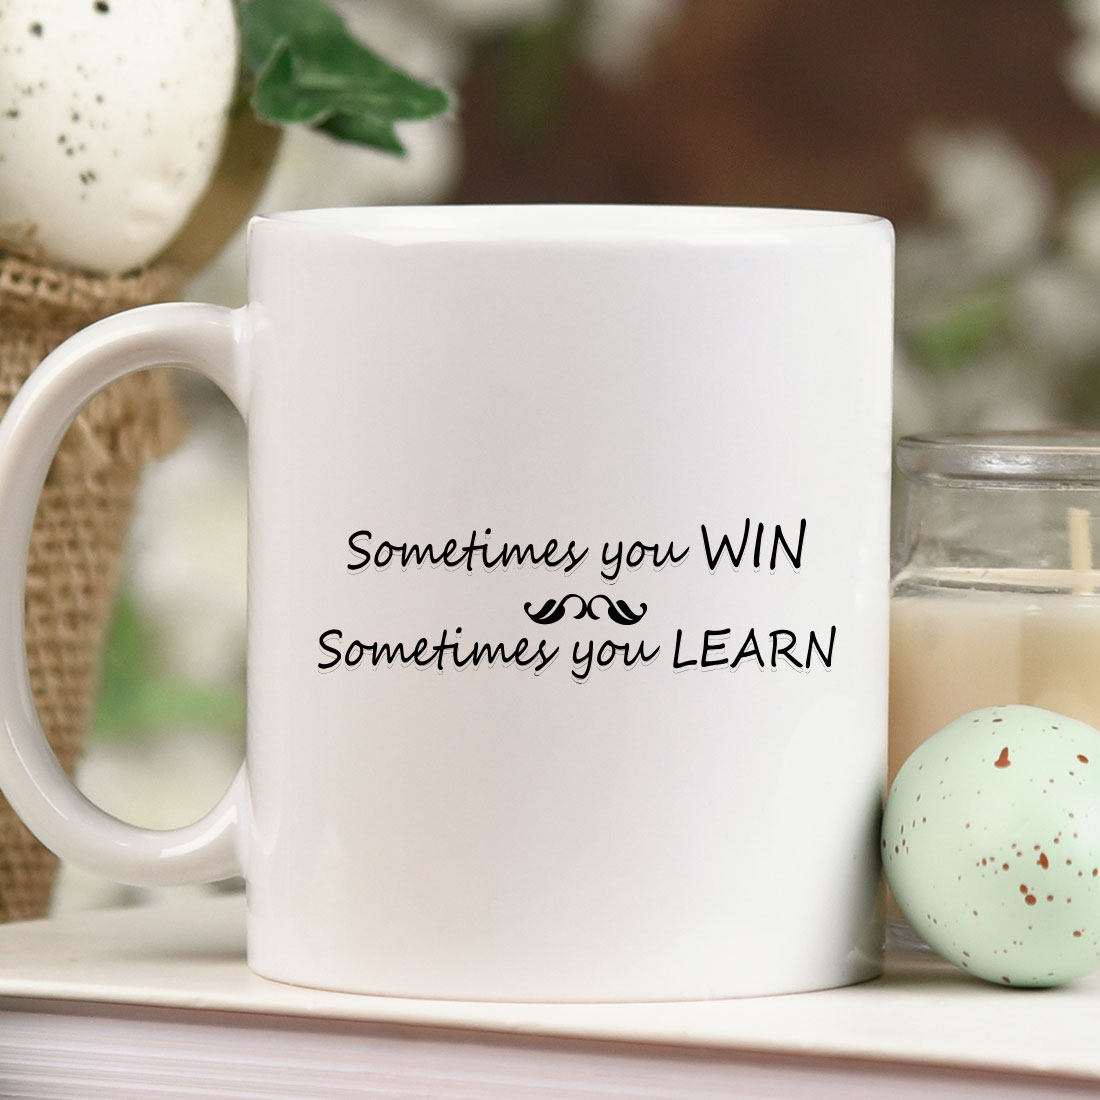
(569, 221)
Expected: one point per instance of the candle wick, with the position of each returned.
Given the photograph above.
(1080, 549)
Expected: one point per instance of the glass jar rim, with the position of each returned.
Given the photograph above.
(1045, 456)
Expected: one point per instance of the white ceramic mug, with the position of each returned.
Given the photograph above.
(568, 574)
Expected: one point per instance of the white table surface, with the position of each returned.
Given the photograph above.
(191, 956)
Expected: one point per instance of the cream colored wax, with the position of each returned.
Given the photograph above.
(953, 651)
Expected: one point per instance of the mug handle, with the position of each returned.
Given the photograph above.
(211, 340)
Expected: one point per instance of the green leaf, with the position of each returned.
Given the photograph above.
(136, 698)
(533, 62)
(308, 70)
(265, 22)
(960, 335)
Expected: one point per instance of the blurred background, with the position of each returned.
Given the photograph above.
(972, 126)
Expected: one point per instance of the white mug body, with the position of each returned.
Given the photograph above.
(567, 600)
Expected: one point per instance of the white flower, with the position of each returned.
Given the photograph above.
(312, 169)
(1081, 229)
(989, 193)
(188, 556)
(934, 267)
(1085, 13)
(1055, 312)
(479, 16)
(1081, 64)
(618, 34)
(915, 406)
(1004, 389)
(408, 34)
(1003, 392)
(1081, 70)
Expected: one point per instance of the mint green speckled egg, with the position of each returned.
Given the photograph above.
(991, 845)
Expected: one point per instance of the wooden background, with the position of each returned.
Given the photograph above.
(758, 102)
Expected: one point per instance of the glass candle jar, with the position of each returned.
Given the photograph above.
(995, 598)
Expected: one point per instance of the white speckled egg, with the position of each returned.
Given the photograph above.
(112, 114)
(991, 845)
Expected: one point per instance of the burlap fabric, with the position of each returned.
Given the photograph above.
(81, 525)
